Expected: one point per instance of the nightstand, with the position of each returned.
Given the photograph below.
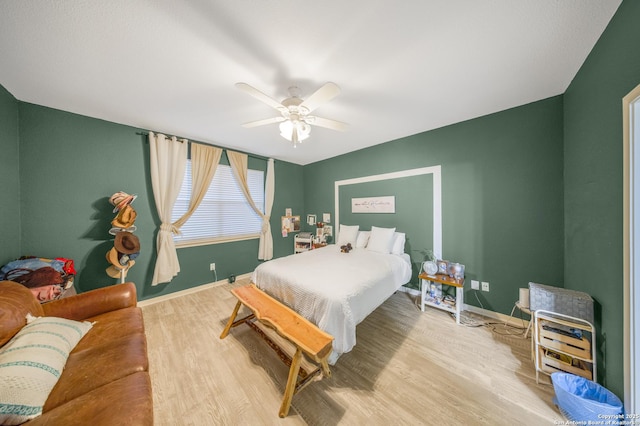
(436, 300)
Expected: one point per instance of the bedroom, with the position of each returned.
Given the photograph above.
(566, 229)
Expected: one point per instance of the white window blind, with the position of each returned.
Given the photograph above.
(224, 213)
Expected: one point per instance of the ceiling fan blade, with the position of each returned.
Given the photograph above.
(327, 123)
(263, 122)
(260, 96)
(322, 95)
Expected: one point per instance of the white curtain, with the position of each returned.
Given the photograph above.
(168, 159)
(167, 163)
(238, 162)
(204, 162)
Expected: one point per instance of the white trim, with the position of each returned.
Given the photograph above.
(437, 198)
(187, 291)
(511, 320)
(631, 298)
(411, 291)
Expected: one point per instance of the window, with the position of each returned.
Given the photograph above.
(224, 213)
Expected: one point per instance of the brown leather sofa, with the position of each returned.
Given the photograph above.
(106, 378)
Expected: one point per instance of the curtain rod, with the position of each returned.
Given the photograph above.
(259, 157)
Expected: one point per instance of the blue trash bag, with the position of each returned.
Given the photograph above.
(580, 399)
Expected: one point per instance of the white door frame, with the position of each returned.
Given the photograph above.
(631, 241)
(436, 194)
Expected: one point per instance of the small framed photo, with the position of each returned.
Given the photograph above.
(287, 211)
(326, 217)
(311, 219)
(328, 230)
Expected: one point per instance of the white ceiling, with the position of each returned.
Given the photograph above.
(404, 66)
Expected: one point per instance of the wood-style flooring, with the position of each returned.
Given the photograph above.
(408, 368)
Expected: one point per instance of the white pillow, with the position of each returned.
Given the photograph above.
(31, 364)
(363, 239)
(348, 234)
(381, 239)
(397, 247)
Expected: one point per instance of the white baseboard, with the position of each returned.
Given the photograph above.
(411, 291)
(496, 315)
(480, 311)
(191, 290)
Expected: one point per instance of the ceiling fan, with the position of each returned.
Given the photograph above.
(295, 121)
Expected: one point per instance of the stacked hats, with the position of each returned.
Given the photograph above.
(126, 246)
(124, 220)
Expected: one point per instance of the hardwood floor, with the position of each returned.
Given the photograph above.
(408, 368)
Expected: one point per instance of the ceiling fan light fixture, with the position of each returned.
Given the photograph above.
(295, 121)
(294, 131)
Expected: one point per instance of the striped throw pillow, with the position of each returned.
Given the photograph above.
(31, 364)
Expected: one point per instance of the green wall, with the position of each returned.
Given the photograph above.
(9, 178)
(502, 196)
(71, 164)
(593, 181)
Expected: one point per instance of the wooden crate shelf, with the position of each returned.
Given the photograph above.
(564, 343)
(550, 364)
(580, 347)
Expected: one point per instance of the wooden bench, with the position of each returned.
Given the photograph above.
(289, 334)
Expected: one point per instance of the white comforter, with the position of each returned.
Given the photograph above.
(334, 290)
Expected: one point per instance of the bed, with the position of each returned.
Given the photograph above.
(334, 290)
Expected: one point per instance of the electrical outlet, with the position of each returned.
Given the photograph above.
(485, 285)
(475, 285)
(212, 266)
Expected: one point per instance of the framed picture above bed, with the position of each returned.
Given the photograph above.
(374, 204)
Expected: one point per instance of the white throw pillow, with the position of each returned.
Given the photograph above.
(31, 364)
(397, 246)
(363, 239)
(348, 234)
(381, 239)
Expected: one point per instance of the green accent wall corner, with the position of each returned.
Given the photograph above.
(9, 177)
(593, 155)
